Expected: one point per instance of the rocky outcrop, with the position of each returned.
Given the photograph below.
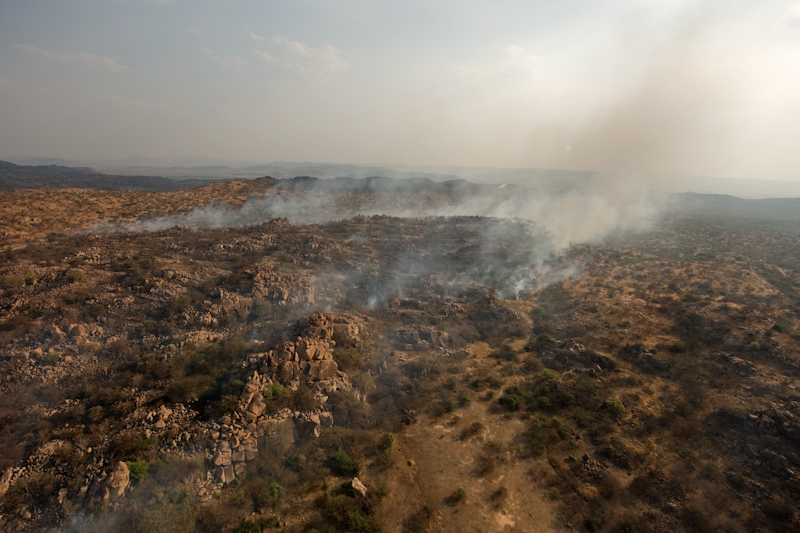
(782, 420)
(5, 481)
(111, 488)
(117, 482)
(236, 437)
(418, 338)
(282, 288)
(310, 356)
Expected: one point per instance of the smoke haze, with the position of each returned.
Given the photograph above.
(692, 88)
(571, 217)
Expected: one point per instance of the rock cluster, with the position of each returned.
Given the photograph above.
(236, 437)
(282, 288)
(742, 367)
(117, 482)
(418, 338)
(780, 420)
(310, 356)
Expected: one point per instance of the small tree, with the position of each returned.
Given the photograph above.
(138, 470)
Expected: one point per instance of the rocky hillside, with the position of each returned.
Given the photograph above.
(380, 373)
(31, 214)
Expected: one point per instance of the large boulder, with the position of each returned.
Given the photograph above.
(117, 482)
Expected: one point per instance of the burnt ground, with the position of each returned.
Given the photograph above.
(487, 383)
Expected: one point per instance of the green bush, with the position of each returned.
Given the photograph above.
(51, 359)
(273, 391)
(678, 347)
(342, 464)
(549, 374)
(138, 470)
(387, 440)
(543, 402)
(274, 490)
(509, 401)
(458, 496)
(544, 342)
(228, 404)
(614, 406)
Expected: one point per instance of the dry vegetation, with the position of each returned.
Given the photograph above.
(31, 214)
(654, 391)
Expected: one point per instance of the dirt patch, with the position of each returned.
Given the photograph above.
(435, 460)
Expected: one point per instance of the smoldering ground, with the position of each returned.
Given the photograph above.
(512, 252)
(569, 217)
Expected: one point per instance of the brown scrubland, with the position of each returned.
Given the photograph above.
(391, 374)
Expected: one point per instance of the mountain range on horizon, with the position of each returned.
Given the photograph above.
(204, 169)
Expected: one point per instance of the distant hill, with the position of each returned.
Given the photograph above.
(56, 176)
(731, 207)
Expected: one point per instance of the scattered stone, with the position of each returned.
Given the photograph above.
(359, 487)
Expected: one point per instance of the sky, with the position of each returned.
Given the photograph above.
(674, 86)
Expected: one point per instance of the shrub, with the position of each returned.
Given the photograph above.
(274, 490)
(387, 440)
(180, 303)
(51, 359)
(505, 353)
(631, 526)
(348, 359)
(614, 406)
(138, 470)
(592, 525)
(544, 342)
(273, 391)
(530, 345)
(510, 401)
(129, 444)
(738, 482)
(228, 404)
(247, 526)
(678, 347)
(342, 464)
(543, 402)
(295, 462)
(31, 278)
(94, 414)
(472, 430)
(304, 399)
(549, 374)
(97, 310)
(76, 276)
(458, 496)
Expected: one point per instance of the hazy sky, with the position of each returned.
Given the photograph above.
(670, 86)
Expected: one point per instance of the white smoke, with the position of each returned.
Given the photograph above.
(569, 217)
